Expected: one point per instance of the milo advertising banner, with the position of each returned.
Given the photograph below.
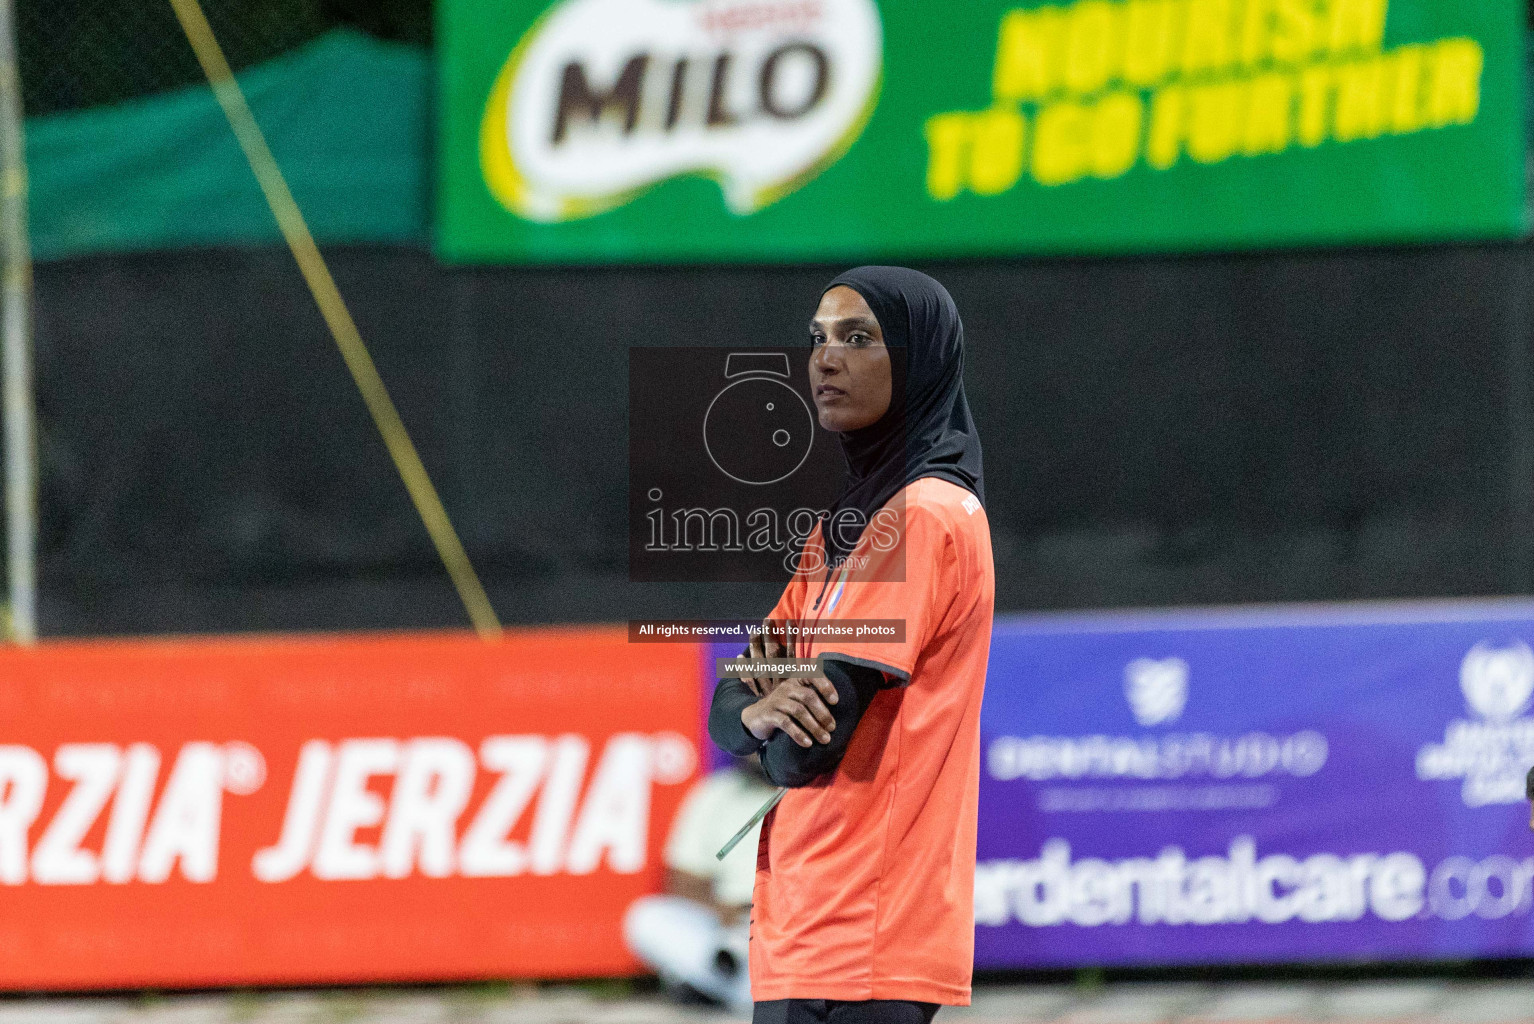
(611, 130)
(1323, 783)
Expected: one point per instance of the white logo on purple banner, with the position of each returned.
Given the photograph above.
(1157, 690)
(1492, 751)
(1498, 681)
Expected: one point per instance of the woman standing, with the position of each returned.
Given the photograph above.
(863, 907)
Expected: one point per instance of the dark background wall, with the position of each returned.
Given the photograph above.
(83, 53)
(1280, 427)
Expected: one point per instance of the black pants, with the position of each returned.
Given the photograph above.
(833, 1011)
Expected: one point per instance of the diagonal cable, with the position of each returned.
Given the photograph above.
(312, 265)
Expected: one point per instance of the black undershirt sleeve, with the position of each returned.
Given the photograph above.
(789, 764)
(731, 697)
(785, 762)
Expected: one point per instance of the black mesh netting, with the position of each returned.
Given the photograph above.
(81, 53)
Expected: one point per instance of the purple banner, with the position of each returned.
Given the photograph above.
(1288, 784)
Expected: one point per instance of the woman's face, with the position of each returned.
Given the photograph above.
(849, 365)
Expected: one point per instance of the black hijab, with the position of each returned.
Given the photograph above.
(927, 430)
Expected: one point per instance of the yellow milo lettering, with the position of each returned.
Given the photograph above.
(996, 151)
(1269, 119)
(948, 137)
(1169, 108)
(1315, 106)
(1115, 141)
(1092, 45)
(1028, 54)
(1107, 79)
(1213, 122)
(1060, 144)
(1256, 32)
(1207, 34)
(1406, 71)
(1356, 26)
(1148, 38)
(1295, 33)
(1454, 82)
(1362, 104)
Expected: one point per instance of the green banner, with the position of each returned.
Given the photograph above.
(680, 130)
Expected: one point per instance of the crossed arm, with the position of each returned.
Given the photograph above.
(801, 727)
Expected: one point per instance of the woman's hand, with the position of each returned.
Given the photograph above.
(771, 641)
(797, 706)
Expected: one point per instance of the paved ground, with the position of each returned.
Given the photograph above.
(1404, 1002)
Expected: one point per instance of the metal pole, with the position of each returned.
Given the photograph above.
(15, 325)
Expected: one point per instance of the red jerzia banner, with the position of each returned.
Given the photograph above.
(214, 812)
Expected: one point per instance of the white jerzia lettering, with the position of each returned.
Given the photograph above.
(358, 808)
(145, 840)
(338, 799)
(486, 852)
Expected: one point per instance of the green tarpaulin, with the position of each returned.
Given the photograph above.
(345, 116)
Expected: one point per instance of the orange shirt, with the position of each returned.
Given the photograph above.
(865, 880)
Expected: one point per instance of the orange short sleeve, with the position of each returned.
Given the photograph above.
(901, 588)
